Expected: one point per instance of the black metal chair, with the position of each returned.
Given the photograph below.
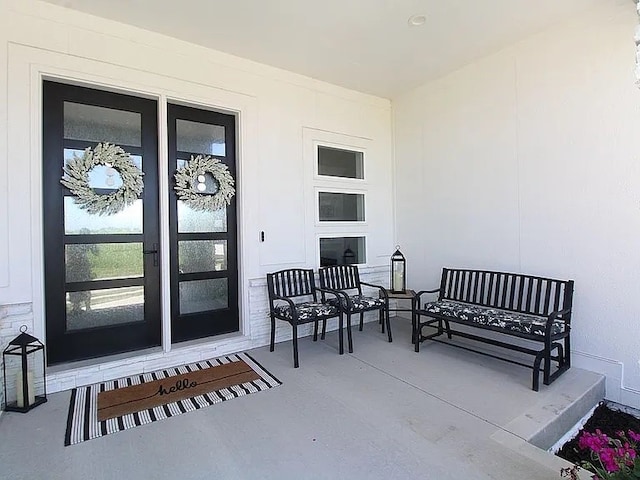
(297, 283)
(345, 281)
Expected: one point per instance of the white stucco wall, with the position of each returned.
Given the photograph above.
(529, 161)
(278, 111)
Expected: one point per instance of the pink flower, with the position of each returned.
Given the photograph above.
(611, 457)
(593, 441)
(608, 458)
(626, 454)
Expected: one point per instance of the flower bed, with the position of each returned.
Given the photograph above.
(608, 445)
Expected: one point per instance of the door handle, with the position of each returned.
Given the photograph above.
(154, 252)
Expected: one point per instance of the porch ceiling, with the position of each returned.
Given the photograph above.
(366, 45)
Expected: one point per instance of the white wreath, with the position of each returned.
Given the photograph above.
(190, 181)
(76, 179)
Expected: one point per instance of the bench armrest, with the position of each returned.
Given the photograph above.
(552, 317)
(559, 313)
(422, 292)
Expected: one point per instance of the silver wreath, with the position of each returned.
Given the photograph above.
(191, 175)
(76, 179)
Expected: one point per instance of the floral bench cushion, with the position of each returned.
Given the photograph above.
(360, 302)
(307, 311)
(503, 319)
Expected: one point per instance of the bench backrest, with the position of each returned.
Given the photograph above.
(291, 283)
(507, 291)
(340, 277)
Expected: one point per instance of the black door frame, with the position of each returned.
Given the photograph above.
(216, 322)
(63, 345)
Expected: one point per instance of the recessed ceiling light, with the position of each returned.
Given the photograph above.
(417, 20)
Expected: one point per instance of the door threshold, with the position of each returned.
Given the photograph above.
(214, 341)
(95, 370)
(101, 361)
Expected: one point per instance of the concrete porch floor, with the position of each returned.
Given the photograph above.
(383, 412)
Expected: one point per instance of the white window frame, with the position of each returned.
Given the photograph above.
(338, 223)
(331, 178)
(333, 184)
(347, 234)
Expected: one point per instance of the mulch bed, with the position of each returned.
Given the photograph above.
(609, 421)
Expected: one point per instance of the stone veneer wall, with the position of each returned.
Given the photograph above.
(65, 377)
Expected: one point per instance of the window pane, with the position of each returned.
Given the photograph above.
(103, 261)
(101, 176)
(335, 162)
(202, 255)
(198, 137)
(79, 221)
(100, 124)
(100, 308)
(341, 207)
(195, 221)
(342, 251)
(203, 295)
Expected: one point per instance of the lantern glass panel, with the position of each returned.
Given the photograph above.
(398, 272)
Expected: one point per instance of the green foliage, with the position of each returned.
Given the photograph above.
(116, 260)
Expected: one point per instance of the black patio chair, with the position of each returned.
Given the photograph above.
(298, 284)
(345, 281)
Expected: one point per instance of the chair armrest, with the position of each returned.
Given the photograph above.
(292, 306)
(383, 292)
(329, 290)
(278, 297)
(338, 294)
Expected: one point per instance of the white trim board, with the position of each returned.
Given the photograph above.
(613, 370)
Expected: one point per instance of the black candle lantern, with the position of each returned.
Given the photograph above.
(21, 360)
(398, 272)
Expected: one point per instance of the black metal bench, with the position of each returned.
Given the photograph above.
(526, 307)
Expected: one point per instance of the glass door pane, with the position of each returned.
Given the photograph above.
(101, 275)
(204, 272)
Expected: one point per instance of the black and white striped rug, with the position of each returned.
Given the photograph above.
(83, 424)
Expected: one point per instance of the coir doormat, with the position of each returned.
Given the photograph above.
(110, 407)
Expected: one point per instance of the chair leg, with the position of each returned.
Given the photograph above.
(361, 320)
(296, 364)
(349, 336)
(315, 331)
(324, 328)
(340, 339)
(273, 333)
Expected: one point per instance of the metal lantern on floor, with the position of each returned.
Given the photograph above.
(22, 360)
(398, 272)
